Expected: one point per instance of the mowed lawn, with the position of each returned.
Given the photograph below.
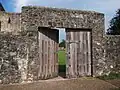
(62, 57)
(62, 63)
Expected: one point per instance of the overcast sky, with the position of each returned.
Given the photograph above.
(108, 7)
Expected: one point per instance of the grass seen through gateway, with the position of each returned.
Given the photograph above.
(62, 57)
(62, 63)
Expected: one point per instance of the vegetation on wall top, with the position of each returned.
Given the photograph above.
(114, 28)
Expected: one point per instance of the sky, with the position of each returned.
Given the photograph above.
(108, 7)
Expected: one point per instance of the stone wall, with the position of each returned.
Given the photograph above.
(10, 22)
(16, 51)
(12, 51)
(19, 55)
(112, 53)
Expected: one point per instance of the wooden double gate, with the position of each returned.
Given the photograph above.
(78, 53)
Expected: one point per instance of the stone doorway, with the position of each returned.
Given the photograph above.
(78, 53)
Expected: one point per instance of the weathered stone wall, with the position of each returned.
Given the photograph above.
(34, 17)
(19, 55)
(12, 51)
(10, 22)
(33, 56)
(110, 50)
(16, 52)
(112, 53)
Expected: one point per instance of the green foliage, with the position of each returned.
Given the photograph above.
(114, 28)
(111, 76)
(62, 44)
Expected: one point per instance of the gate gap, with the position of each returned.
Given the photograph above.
(62, 52)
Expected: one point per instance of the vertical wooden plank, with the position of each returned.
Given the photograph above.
(73, 57)
(75, 53)
(72, 54)
(51, 54)
(82, 54)
(54, 56)
(46, 54)
(42, 58)
(51, 57)
(48, 58)
(79, 53)
(56, 50)
(86, 53)
(87, 65)
(89, 53)
(43, 43)
(57, 46)
(40, 55)
(67, 55)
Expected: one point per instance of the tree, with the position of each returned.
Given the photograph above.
(62, 44)
(114, 28)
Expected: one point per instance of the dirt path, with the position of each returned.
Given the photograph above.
(74, 84)
(115, 82)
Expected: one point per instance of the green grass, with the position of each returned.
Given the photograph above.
(62, 62)
(111, 76)
(62, 57)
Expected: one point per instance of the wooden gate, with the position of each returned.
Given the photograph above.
(78, 45)
(48, 47)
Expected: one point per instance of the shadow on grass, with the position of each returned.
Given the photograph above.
(62, 71)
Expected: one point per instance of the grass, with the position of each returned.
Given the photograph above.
(111, 76)
(62, 57)
(62, 63)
